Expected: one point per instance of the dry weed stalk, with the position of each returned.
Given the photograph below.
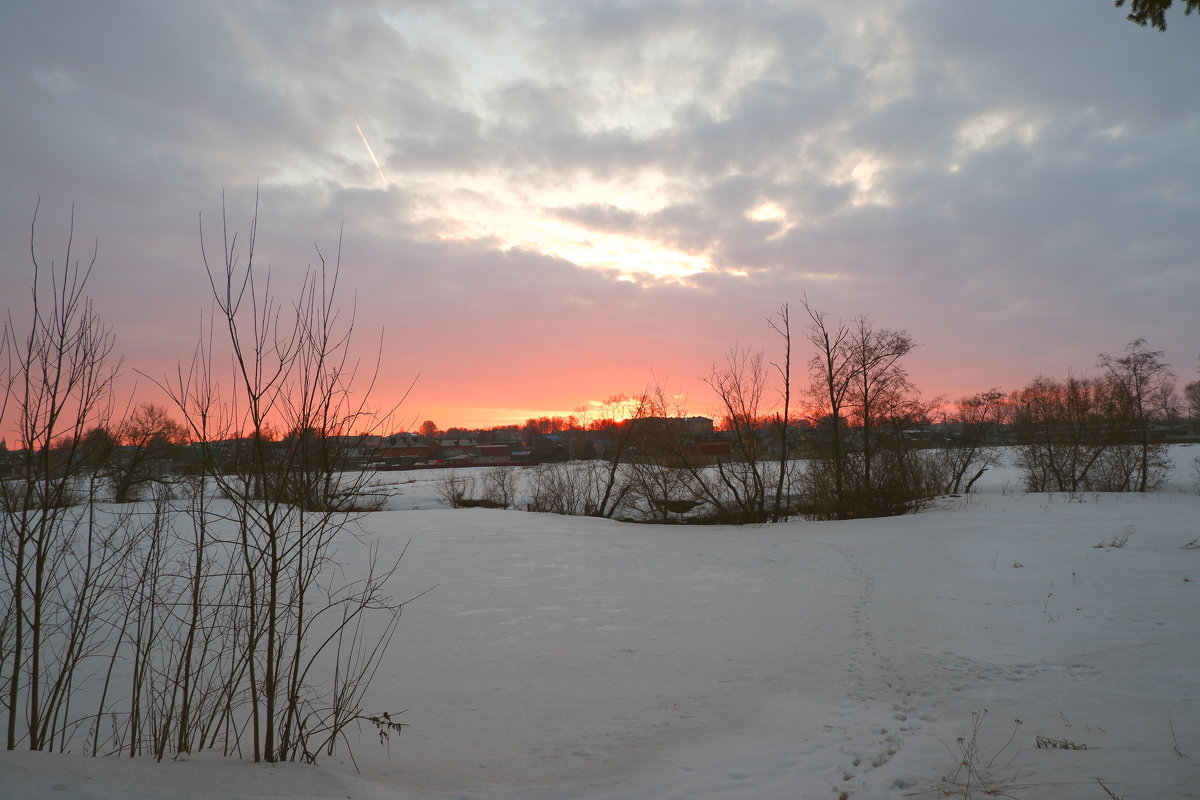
(1174, 739)
(972, 776)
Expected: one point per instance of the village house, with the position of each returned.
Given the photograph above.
(401, 449)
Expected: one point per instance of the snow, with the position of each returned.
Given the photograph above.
(563, 657)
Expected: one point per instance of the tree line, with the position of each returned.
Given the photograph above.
(850, 436)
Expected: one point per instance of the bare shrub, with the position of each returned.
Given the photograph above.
(658, 492)
(906, 480)
(561, 489)
(458, 489)
(1092, 434)
(455, 488)
(1130, 468)
(500, 486)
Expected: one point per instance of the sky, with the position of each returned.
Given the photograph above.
(542, 204)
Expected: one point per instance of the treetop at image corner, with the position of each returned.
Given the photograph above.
(1154, 12)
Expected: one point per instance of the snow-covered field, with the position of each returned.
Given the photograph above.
(563, 657)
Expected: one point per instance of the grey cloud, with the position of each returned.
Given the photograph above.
(912, 127)
(603, 217)
(429, 133)
(536, 106)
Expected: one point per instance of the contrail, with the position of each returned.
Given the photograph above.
(371, 153)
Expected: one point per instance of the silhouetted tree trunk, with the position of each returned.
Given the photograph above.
(781, 323)
(831, 371)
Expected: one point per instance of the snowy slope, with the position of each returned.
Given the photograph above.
(580, 658)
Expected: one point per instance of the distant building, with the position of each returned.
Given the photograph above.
(459, 446)
(680, 426)
(493, 454)
(404, 448)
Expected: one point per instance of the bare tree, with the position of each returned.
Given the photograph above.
(972, 439)
(290, 498)
(1063, 429)
(739, 385)
(831, 371)
(657, 477)
(1191, 396)
(863, 402)
(1145, 383)
(879, 390)
(57, 384)
(203, 666)
(781, 323)
(620, 418)
(237, 624)
(147, 437)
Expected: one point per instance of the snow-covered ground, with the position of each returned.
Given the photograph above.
(565, 657)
